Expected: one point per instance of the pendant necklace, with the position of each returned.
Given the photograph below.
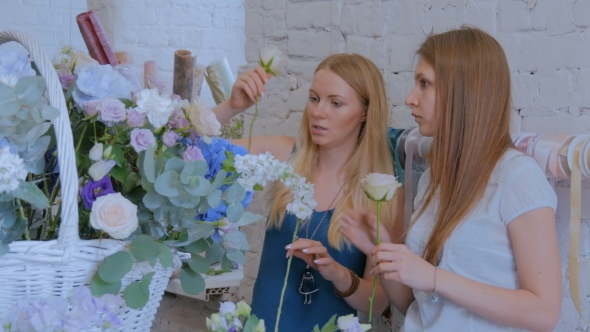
(308, 285)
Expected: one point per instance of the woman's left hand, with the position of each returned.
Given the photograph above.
(397, 262)
(315, 255)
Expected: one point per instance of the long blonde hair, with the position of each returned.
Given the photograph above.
(372, 154)
(472, 128)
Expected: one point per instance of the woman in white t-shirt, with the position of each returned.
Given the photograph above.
(481, 251)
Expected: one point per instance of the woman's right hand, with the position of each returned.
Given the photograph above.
(359, 226)
(248, 86)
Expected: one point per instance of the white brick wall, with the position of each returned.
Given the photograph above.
(51, 22)
(547, 44)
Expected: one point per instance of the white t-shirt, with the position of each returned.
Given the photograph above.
(479, 248)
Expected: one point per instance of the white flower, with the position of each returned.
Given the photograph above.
(260, 326)
(12, 170)
(217, 323)
(380, 187)
(272, 60)
(350, 323)
(157, 108)
(243, 309)
(96, 152)
(227, 308)
(9, 80)
(100, 169)
(201, 118)
(115, 215)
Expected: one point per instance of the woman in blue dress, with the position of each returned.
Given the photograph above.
(342, 138)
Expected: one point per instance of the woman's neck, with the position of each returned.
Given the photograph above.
(332, 160)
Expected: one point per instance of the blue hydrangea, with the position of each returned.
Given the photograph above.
(15, 63)
(98, 82)
(214, 153)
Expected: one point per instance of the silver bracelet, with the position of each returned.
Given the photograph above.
(434, 296)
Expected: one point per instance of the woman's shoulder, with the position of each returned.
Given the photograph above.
(515, 163)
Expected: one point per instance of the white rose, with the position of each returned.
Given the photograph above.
(96, 152)
(227, 308)
(272, 60)
(380, 187)
(115, 215)
(201, 118)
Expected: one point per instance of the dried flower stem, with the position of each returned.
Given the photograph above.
(252, 124)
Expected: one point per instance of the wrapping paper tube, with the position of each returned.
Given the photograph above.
(150, 76)
(220, 79)
(184, 67)
(198, 79)
(96, 39)
(124, 57)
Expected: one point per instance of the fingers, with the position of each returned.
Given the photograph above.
(303, 244)
(252, 82)
(263, 74)
(387, 246)
(385, 268)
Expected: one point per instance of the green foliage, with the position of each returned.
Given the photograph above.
(99, 287)
(114, 267)
(192, 283)
(144, 248)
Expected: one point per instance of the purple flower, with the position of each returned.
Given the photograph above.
(169, 138)
(192, 153)
(178, 120)
(91, 107)
(94, 189)
(112, 110)
(134, 118)
(65, 80)
(141, 138)
(228, 226)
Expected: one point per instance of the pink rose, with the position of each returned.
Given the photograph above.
(192, 153)
(134, 118)
(141, 139)
(112, 110)
(91, 107)
(169, 138)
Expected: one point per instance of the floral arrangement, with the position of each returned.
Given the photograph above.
(79, 312)
(233, 318)
(151, 173)
(348, 323)
(379, 188)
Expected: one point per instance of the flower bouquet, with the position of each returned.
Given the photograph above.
(150, 174)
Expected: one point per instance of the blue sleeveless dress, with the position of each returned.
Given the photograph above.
(296, 316)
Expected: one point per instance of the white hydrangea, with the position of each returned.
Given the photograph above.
(263, 168)
(12, 170)
(157, 108)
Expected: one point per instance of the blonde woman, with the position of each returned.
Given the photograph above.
(343, 137)
(481, 252)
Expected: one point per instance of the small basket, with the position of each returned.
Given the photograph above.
(42, 268)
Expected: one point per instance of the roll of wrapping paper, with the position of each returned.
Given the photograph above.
(199, 77)
(96, 39)
(150, 76)
(124, 57)
(184, 67)
(220, 79)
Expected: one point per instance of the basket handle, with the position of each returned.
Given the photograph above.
(68, 230)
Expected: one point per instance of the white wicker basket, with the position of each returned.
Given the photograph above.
(43, 268)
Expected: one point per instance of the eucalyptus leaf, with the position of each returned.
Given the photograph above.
(192, 283)
(226, 263)
(156, 230)
(251, 324)
(146, 280)
(120, 173)
(30, 193)
(8, 102)
(153, 201)
(114, 267)
(219, 179)
(36, 166)
(203, 206)
(15, 232)
(236, 256)
(199, 264)
(7, 219)
(8, 121)
(198, 246)
(175, 164)
(144, 248)
(235, 193)
(36, 150)
(130, 182)
(215, 252)
(247, 218)
(143, 215)
(36, 132)
(214, 198)
(49, 112)
(149, 164)
(185, 200)
(198, 186)
(35, 115)
(165, 257)
(166, 183)
(29, 89)
(235, 212)
(200, 168)
(134, 296)
(187, 172)
(203, 230)
(237, 239)
(147, 185)
(99, 287)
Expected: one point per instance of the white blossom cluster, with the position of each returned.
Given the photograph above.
(158, 108)
(12, 170)
(260, 169)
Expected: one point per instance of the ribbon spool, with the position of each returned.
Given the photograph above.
(547, 150)
(522, 141)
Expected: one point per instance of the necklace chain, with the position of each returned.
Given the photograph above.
(323, 217)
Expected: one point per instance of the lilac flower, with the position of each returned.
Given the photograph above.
(94, 189)
(228, 226)
(65, 80)
(134, 118)
(192, 153)
(91, 107)
(178, 120)
(169, 138)
(141, 138)
(112, 110)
